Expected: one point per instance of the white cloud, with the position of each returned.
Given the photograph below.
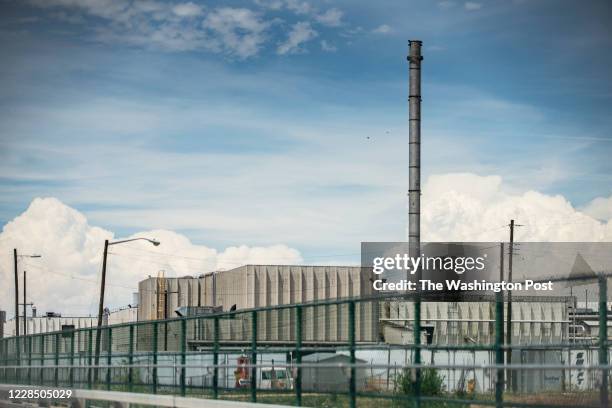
(472, 6)
(600, 208)
(270, 4)
(178, 26)
(325, 46)
(331, 18)
(382, 29)
(468, 207)
(295, 6)
(108, 9)
(300, 33)
(241, 31)
(167, 26)
(187, 10)
(299, 7)
(66, 278)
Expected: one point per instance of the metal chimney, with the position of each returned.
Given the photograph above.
(414, 176)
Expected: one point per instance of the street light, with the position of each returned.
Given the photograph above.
(15, 257)
(102, 285)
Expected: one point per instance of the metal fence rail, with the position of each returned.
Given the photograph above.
(327, 353)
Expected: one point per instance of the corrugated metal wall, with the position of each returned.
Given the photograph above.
(543, 321)
(253, 286)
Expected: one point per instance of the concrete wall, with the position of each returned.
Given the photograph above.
(127, 315)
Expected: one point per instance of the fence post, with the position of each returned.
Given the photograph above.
(30, 337)
(215, 357)
(56, 371)
(155, 334)
(109, 357)
(42, 359)
(499, 353)
(254, 356)
(3, 358)
(351, 329)
(71, 378)
(298, 356)
(417, 350)
(89, 352)
(183, 357)
(18, 358)
(603, 339)
(131, 358)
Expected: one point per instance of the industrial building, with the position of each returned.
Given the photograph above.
(48, 323)
(548, 319)
(52, 321)
(535, 319)
(253, 286)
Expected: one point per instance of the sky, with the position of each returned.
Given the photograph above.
(276, 131)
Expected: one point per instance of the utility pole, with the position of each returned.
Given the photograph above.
(166, 293)
(500, 373)
(25, 322)
(509, 313)
(101, 306)
(16, 294)
(501, 262)
(102, 286)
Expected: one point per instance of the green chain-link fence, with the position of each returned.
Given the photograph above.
(387, 351)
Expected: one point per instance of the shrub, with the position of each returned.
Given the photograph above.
(432, 384)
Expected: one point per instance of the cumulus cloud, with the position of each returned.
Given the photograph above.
(600, 208)
(66, 278)
(331, 18)
(382, 29)
(300, 33)
(469, 207)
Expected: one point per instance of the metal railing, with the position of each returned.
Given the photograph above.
(326, 353)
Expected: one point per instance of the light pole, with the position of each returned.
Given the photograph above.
(15, 257)
(102, 285)
(25, 305)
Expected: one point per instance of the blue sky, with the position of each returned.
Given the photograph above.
(247, 122)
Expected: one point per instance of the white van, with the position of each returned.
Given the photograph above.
(275, 379)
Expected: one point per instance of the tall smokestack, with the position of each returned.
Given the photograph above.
(414, 176)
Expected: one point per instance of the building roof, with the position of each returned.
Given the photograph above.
(319, 357)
